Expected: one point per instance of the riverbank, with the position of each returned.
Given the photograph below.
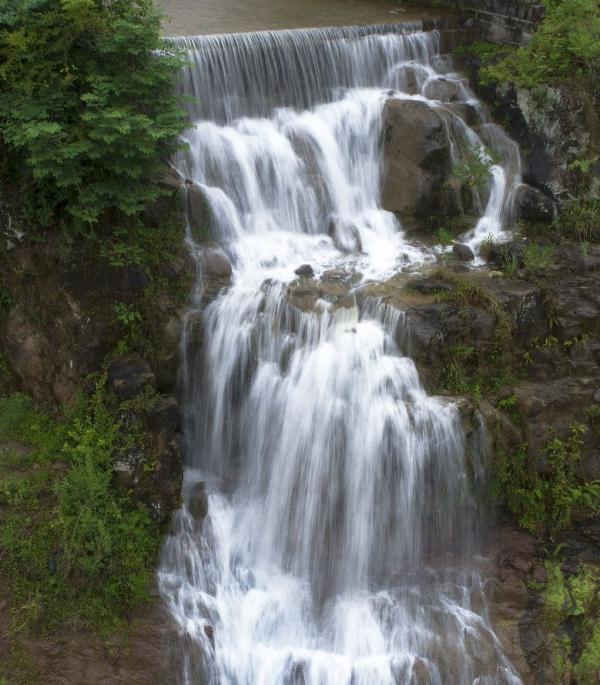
(197, 17)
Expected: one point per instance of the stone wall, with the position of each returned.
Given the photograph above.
(505, 21)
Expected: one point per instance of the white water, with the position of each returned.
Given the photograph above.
(342, 533)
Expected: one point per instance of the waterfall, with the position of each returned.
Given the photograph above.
(344, 503)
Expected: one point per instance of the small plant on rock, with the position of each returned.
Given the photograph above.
(475, 169)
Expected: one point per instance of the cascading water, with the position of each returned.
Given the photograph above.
(342, 525)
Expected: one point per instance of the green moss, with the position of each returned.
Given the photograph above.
(574, 600)
(587, 668)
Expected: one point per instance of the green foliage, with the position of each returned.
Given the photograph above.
(587, 668)
(583, 165)
(87, 104)
(127, 316)
(474, 170)
(73, 548)
(565, 46)
(482, 49)
(581, 220)
(444, 237)
(456, 377)
(133, 243)
(6, 299)
(537, 257)
(544, 503)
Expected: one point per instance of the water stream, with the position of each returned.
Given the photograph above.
(344, 503)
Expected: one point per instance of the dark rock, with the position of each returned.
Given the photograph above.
(532, 204)
(468, 113)
(198, 502)
(164, 416)
(507, 254)
(199, 214)
(547, 410)
(430, 286)
(463, 252)
(305, 271)
(129, 375)
(417, 158)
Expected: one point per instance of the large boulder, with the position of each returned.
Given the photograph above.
(462, 252)
(532, 204)
(417, 161)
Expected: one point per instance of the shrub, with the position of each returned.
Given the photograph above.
(581, 220)
(474, 171)
(544, 503)
(87, 104)
(566, 45)
(73, 548)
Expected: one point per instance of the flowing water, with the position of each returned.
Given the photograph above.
(344, 502)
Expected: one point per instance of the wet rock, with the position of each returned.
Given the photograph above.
(421, 672)
(417, 159)
(129, 375)
(465, 111)
(304, 298)
(463, 252)
(345, 235)
(338, 276)
(405, 79)
(305, 271)
(532, 204)
(172, 179)
(443, 89)
(198, 502)
(215, 264)
(198, 212)
(216, 270)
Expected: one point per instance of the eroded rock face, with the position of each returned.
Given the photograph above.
(128, 375)
(553, 126)
(417, 161)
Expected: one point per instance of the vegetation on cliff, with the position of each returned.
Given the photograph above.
(87, 107)
(94, 269)
(566, 45)
(73, 549)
